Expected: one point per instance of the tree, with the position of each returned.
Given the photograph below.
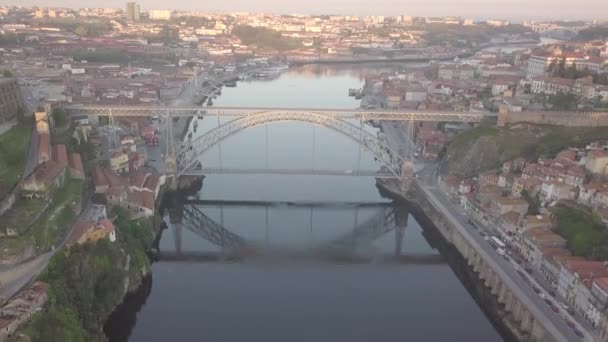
(60, 116)
(563, 101)
(7, 73)
(57, 325)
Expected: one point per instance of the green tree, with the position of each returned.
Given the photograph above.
(584, 232)
(60, 116)
(57, 325)
(7, 73)
(562, 101)
(265, 38)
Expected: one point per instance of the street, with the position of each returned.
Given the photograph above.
(553, 321)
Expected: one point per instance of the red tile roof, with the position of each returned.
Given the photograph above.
(45, 172)
(75, 162)
(60, 154)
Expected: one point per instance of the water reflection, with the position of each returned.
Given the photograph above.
(371, 222)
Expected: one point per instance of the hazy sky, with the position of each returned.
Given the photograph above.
(476, 9)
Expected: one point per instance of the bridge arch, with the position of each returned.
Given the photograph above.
(187, 157)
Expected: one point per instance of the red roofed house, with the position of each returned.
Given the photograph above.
(60, 154)
(75, 166)
(44, 147)
(89, 231)
(576, 279)
(46, 177)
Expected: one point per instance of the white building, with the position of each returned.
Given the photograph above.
(537, 65)
(161, 14)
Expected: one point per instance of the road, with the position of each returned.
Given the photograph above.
(521, 285)
(552, 321)
(14, 278)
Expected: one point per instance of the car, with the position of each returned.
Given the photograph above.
(570, 324)
(521, 274)
(579, 333)
(548, 301)
(487, 238)
(348, 172)
(542, 295)
(554, 308)
(537, 290)
(552, 293)
(482, 234)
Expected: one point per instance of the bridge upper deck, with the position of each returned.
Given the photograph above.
(365, 114)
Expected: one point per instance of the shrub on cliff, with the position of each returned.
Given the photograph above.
(87, 282)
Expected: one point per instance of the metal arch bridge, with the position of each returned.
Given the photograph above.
(360, 114)
(187, 158)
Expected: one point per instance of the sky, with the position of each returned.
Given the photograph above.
(474, 9)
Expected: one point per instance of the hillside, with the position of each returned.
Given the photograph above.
(485, 147)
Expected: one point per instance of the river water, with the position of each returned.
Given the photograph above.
(385, 287)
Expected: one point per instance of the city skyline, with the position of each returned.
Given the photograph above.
(475, 9)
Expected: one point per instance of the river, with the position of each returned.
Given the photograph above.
(291, 290)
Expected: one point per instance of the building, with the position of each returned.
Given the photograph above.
(538, 65)
(161, 14)
(556, 191)
(46, 178)
(20, 308)
(75, 166)
(504, 205)
(119, 162)
(89, 231)
(132, 11)
(530, 185)
(11, 101)
(597, 160)
(575, 280)
(456, 72)
(599, 301)
(535, 241)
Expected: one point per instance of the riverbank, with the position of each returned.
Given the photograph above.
(87, 282)
(482, 295)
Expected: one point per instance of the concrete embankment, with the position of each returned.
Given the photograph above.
(438, 233)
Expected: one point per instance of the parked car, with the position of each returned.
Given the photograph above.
(570, 324)
(579, 333)
(548, 301)
(554, 308)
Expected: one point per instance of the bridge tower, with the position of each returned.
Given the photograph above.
(401, 217)
(170, 159)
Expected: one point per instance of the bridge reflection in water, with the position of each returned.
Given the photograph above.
(355, 245)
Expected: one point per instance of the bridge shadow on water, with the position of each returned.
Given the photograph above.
(353, 247)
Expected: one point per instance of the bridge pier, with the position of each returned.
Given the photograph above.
(407, 175)
(177, 236)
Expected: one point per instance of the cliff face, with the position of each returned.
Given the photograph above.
(87, 282)
(484, 148)
(477, 156)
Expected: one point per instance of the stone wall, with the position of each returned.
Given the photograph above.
(569, 119)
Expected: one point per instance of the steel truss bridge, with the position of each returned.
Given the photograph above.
(360, 114)
(188, 158)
